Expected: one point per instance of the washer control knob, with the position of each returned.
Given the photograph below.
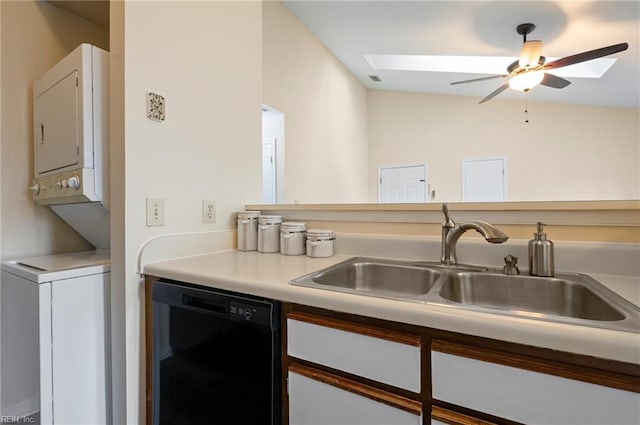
(58, 185)
(64, 183)
(74, 182)
(35, 189)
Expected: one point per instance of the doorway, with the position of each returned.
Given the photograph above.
(273, 157)
(269, 170)
(402, 184)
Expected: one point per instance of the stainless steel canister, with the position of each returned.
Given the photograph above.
(292, 238)
(269, 233)
(320, 243)
(248, 230)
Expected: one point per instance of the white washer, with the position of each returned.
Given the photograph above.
(55, 338)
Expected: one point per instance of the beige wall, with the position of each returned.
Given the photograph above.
(565, 152)
(35, 36)
(325, 112)
(205, 58)
(324, 120)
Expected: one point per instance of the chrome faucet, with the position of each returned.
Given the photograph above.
(451, 232)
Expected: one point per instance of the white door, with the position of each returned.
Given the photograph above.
(269, 170)
(402, 184)
(483, 180)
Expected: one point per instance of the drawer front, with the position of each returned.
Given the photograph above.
(312, 402)
(382, 360)
(527, 396)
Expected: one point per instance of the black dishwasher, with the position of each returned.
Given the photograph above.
(216, 357)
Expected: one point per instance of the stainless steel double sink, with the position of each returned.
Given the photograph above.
(568, 297)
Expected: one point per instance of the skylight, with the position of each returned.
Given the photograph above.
(479, 65)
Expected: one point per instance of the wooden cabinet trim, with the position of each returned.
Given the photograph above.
(394, 400)
(386, 334)
(454, 418)
(565, 370)
(357, 378)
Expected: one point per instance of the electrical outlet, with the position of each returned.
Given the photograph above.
(155, 212)
(208, 211)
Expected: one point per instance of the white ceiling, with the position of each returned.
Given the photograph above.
(351, 29)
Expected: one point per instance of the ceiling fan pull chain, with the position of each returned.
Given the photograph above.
(526, 107)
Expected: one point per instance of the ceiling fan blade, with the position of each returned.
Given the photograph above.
(554, 81)
(586, 56)
(491, 77)
(495, 93)
(530, 54)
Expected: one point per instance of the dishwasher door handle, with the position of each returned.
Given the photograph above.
(204, 304)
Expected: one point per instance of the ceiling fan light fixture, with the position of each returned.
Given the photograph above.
(530, 54)
(526, 81)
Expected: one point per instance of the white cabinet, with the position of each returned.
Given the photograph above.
(313, 401)
(394, 361)
(348, 370)
(344, 373)
(528, 396)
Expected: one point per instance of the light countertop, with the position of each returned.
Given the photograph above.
(268, 275)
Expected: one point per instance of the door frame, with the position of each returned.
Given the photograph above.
(414, 164)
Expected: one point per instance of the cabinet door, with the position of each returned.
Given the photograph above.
(525, 395)
(385, 356)
(319, 398)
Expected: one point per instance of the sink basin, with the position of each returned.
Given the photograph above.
(554, 296)
(383, 278)
(569, 297)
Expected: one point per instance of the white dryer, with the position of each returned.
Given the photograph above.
(55, 338)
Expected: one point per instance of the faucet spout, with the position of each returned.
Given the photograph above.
(488, 231)
(451, 232)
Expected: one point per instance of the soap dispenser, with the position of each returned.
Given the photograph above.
(540, 254)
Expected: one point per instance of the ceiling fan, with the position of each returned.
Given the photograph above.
(530, 69)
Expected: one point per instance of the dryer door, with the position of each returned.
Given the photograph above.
(57, 129)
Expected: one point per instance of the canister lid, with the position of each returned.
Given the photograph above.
(270, 219)
(246, 215)
(320, 234)
(293, 226)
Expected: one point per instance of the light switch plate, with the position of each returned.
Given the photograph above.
(155, 212)
(155, 106)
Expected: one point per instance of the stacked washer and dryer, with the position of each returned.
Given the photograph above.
(55, 337)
